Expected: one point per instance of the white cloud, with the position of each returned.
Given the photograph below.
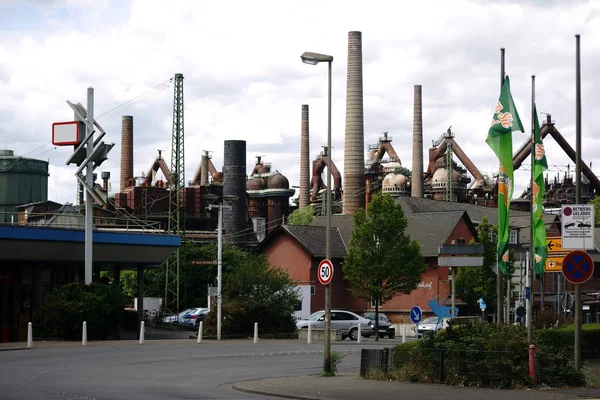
(244, 79)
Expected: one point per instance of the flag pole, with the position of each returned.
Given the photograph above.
(500, 276)
(531, 267)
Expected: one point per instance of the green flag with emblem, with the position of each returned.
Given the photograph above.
(538, 156)
(505, 121)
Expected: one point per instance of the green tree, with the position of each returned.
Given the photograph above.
(382, 261)
(254, 291)
(301, 216)
(596, 202)
(474, 283)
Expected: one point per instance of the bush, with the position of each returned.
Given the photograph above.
(491, 355)
(63, 311)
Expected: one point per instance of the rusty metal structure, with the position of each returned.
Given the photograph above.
(317, 194)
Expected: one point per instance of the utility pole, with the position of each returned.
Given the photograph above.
(176, 198)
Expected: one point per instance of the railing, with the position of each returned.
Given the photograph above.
(76, 221)
(498, 369)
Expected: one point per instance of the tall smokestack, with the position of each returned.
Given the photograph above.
(234, 184)
(354, 163)
(204, 169)
(126, 150)
(417, 161)
(304, 197)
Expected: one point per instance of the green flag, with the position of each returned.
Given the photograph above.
(538, 190)
(505, 121)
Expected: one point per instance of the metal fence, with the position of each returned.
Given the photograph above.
(450, 366)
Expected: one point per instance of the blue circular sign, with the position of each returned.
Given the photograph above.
(416, 314)
(578, 267)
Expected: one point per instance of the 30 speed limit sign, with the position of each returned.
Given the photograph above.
(325, 272)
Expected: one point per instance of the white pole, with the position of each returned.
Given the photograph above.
(219, 270)
(84, 334)
(359, 338)
(256, 332)
(142, 332)
(403, 333)
(29, 336)
(200, 333)
(89, 182)
(309, 338)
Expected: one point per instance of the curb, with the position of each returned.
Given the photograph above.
(280, 395)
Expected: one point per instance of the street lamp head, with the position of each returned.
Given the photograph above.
(315, 58)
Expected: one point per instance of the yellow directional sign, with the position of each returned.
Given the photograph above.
(555, 245)
(554, 264)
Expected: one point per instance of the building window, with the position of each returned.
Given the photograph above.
(513, 236)
(596, 273)
(312, 290)
(373, 303)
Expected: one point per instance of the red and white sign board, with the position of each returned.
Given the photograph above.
(325, 272)
(67, 133)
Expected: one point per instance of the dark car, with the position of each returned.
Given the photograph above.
(386, 327)
(583, 225)
(570, 224)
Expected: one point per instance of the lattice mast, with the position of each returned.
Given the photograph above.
(176, 198)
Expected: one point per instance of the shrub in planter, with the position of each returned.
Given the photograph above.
(63, 311)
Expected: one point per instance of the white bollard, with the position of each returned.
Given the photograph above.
(84, 334)
(359, 338)
(142, 332)
(256, 332)
(29, 335)
(403, 333)
(200, 333)
(309, 337)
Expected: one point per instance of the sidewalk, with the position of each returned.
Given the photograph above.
(346, 386)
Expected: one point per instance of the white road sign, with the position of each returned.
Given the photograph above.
(577, 227)
(325, 272)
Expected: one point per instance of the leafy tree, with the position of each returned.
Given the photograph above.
(382, 261)
(474, 283)
(301, 216)
(596, 202)
(254, 291)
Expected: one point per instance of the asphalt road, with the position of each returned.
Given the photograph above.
(165, 369)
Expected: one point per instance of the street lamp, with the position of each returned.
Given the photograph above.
(314, 59)
(219, 253)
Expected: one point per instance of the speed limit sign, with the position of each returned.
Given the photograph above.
(325, 272)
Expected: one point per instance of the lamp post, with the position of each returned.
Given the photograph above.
(219, 256)
(314, 59)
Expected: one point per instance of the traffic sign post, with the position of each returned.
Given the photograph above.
(416, 314)
(325, 272)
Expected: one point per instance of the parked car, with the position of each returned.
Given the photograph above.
(173, 319)
(198, 315)
(344, 321)
(431, 324)
(386, 327)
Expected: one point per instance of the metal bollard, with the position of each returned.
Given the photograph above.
(309, 337)
(200, 332)
(532, 362)
(359, 338)
(142, 332)
(29, 335)
(403, 333)
(84, 334)
(256, 332)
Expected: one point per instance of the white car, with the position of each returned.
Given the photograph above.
(431, 324)
(344, 321)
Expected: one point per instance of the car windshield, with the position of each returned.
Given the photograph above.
(370, 316)
(430, 320)
(315, 316)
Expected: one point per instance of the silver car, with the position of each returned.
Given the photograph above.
(431, 324)
(344, 321)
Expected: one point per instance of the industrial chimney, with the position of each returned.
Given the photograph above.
(204, 169)
(417, 161)
(304, 197)
(354, 163)
(126, 151)
(234, 188)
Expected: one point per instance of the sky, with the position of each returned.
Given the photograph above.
(244, 80)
